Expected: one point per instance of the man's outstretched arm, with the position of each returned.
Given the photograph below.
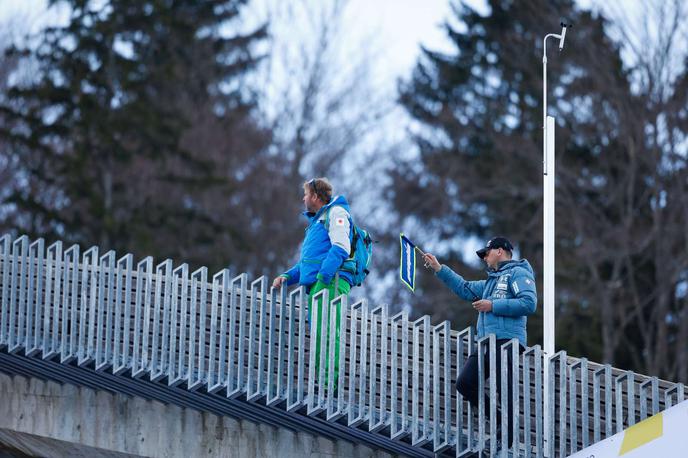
(467, 290)
(289, 277)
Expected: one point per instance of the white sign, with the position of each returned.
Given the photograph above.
(664, 435)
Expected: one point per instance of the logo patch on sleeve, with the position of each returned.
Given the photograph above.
(514, 285)
(339, 222)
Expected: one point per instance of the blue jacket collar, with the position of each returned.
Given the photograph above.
(336, 200)
(506, 265)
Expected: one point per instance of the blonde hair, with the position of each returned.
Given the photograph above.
(321, 187)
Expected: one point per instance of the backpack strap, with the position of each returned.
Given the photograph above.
(352, 234)
(326, 222)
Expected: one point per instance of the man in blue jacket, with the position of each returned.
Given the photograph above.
(326, 247)
(503, 302)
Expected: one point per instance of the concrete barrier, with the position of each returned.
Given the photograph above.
(38, 418)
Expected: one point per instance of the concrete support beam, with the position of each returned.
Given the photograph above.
(22, 445)
(118, 423)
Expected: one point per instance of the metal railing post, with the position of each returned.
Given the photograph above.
(399, 408)
(358, 412)
(217, 351)
(420, 427)
(35, 290)
(52, 293)
(122, 313)
(441, 396)
(142, 317)
(20, 256)
(178, 320)
(236, 373)
(297, 348)
(335, 368)
(5, 243)
(464, 348)
(629, 377)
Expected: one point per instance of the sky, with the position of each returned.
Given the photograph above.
(397, 26)
(402, 26)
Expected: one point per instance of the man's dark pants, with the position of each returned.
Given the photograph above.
(467, 383)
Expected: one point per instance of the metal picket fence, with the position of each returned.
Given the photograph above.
(241, 340)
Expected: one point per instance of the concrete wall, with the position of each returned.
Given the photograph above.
(22, 445)
(31, 407)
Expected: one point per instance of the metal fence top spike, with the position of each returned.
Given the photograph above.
(146, 263)
(377, 310)
(403, 315)
(360, 304)
(108, 255)
(341, 300)
(258, 282)
(21, 239)
(444, 325)
(93, 251)
(166, 264)
(422, 321)
(72, 249)
(127, 259)
(182, 269)
(222, 274)
(200, 272)
(36, 243)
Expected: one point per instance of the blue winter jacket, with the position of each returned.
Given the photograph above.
(510, 287)
(320, 259)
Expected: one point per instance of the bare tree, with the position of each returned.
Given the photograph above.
(325, 104)
(320, 93)
(657, 41)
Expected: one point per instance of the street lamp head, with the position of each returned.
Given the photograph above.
(564, 26)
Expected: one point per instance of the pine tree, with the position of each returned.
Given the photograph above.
(479, 171)
(139, 133)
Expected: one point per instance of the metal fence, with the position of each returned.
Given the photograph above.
(238, 338)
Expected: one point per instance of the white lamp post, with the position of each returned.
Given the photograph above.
(548, 227)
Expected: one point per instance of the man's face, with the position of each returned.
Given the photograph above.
(310, 201)
(492, 257)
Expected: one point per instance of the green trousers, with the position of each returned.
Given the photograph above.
(342, 288)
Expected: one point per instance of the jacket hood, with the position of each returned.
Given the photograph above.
(508, 265)
(336, 200)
